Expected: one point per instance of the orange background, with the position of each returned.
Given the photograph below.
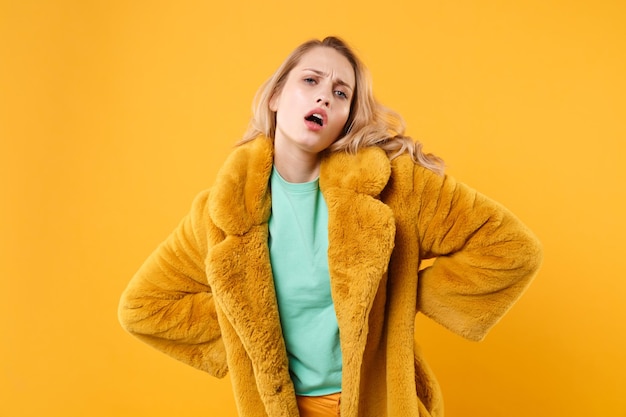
(114, 114)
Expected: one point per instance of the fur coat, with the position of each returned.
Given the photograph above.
(206, 295)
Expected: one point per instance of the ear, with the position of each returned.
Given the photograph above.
(273, 104)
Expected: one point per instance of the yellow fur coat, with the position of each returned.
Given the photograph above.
(206, 295)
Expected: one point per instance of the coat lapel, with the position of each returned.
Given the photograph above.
(238, 266)
(361, 239)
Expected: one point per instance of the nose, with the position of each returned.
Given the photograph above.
(323, 101)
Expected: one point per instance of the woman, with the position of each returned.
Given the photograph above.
(298, 271)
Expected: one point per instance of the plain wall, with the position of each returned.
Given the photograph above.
(115, 114)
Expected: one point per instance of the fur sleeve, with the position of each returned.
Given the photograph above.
(168, 303)
(485, 257)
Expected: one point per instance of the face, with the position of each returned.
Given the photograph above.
(314, 104)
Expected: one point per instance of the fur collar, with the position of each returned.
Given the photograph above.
(361, 239)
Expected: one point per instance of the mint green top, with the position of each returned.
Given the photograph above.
(298, 243)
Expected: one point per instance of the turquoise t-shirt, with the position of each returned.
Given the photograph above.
(298, 244)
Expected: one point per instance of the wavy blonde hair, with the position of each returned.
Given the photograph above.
(369, 123)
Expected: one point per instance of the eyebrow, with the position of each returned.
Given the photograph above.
(322, 73)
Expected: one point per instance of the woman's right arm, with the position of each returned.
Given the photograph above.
(168, 303)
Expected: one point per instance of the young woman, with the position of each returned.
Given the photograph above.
(299, 271)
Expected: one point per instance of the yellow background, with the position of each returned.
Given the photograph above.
(114, 114)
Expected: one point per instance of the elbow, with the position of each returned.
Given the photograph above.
(123, 313)
(129, 312)
(532, 257)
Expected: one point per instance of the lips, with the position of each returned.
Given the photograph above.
(316, 118)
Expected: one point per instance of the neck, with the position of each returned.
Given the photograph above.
(296, 167)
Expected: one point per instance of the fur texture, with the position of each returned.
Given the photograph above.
(206, 295)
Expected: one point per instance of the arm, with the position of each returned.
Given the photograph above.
(168, 303)
(485, 258)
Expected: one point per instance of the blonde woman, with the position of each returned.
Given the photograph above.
(299, 271)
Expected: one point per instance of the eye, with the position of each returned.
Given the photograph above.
(309, 80)
(341, 94)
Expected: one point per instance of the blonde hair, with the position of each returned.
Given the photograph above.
(369, 123)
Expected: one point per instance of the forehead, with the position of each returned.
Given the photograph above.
(328, 61)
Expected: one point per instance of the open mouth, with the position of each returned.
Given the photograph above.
(315, 118)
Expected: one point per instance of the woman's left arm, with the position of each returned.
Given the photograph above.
(485, 258)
